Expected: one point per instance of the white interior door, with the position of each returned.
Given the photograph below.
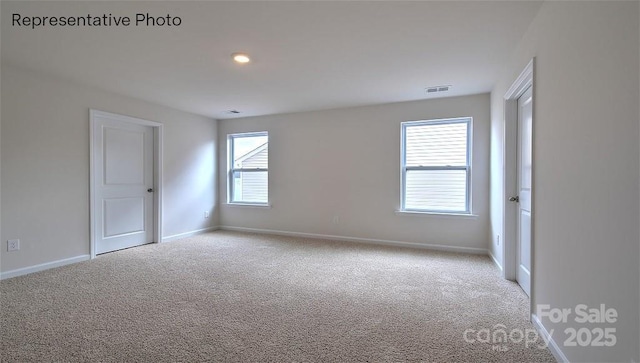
(524, 162)
(123, 182)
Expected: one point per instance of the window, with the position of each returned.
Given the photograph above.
(436, 166)
(248, 166)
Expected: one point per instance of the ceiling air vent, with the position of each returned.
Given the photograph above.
(437, 89)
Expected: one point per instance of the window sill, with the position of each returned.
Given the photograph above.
(436, 214)
(249, 205)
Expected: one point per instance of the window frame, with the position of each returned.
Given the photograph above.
(231, 170)
(403, 168)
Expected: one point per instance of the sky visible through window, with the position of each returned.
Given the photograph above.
(243, 145)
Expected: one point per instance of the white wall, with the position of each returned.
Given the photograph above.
(586, 164)
(345, 163)
(45, 165)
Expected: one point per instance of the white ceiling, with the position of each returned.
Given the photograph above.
(306, 55)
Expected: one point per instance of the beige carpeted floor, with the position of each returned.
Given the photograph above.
(236, 297)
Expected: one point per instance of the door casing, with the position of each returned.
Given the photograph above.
(510, 139)
(157, 171)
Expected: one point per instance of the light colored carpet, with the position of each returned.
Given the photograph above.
(236, 297)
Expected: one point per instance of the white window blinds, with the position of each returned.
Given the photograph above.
(436, 165)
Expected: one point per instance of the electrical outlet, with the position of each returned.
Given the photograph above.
(13, 245)
(498, 240)
(206, 214)
(336, 219)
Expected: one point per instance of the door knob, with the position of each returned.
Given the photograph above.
(150, 190)
(514, 199)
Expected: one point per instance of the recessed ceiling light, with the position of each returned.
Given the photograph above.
(241, 58)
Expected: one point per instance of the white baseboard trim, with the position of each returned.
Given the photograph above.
(553, 346)
(188, 234)
(495, 260)
(471, 250)
(43, 266)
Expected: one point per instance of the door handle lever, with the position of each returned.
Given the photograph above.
(514, 199)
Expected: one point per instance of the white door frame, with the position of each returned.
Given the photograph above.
(510, 139)
(157, 171)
